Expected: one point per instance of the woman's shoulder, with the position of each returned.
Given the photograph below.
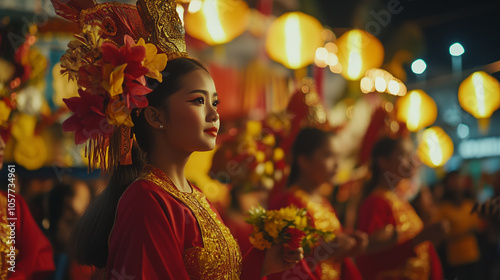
(145, 193)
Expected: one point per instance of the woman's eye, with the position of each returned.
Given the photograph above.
(199, 100)
(216, 102)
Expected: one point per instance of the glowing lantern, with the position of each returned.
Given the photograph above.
(358, 52)
(217, 21)
(416, 109)
(293, 39)
(435, 148)
(382, 81)
(479, 94)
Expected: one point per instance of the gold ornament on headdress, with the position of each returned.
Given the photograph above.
(164, 26)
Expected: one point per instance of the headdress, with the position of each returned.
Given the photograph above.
(119, 45)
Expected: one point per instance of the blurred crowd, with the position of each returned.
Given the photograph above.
(469, 247)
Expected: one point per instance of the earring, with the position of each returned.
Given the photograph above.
(161, 125)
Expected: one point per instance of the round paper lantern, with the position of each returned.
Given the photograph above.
(416, 109)
(479, 94)
(217, 21)
(293, 38)
(435, 148)
(378, 80)
(358, 52)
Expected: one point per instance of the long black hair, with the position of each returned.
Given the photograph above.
(306, 143)
(90, 237)
(383, 148)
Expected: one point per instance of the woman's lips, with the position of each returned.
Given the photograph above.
(211, 131)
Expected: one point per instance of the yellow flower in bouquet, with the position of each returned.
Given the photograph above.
(288, 226)
(259, 242)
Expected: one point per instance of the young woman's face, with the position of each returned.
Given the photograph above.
(402, 163)
(322, 165)
(193, 121)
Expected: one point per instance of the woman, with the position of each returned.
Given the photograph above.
(149, 222)
(314, 165)
(398, 239)
(164, 226)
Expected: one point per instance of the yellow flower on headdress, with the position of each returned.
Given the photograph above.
(118, 113)
(113, 79)
(154, 62)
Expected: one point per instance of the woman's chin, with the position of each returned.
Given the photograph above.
(206, 147)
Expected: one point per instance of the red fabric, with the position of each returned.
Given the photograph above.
(80, 272)
(350, 271)
(372, 135)
(252, 265)
(35, 257)
(375, 213)
(302, 270)
(240, 230)
(151, 232)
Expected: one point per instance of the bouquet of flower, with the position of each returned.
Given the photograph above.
(289, 225)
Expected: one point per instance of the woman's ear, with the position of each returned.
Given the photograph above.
(154, 117)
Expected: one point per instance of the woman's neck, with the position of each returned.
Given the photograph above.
(307, 185)
(172, 162)
(387, 183)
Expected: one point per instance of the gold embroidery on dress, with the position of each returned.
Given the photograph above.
(325, 220)
(408, 225)
(220, 258)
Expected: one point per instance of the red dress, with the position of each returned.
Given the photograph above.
(403, 261)
(163, 233)
(316, 265)
(34, 256)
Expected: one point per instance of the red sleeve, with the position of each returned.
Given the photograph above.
(252, 264)
(35, 257)
(350, 271)
(150, 234)
(375, 214)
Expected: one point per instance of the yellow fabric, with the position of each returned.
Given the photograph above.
(461, 243)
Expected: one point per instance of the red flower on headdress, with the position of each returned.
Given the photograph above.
(88, 119)
(129, 54)
(90, 78)
(135, 95)
(296, 236)
(134, 83)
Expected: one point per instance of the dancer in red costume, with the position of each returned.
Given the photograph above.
(150, 222)
(33, 251)
(399, 245)
(313, 165)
